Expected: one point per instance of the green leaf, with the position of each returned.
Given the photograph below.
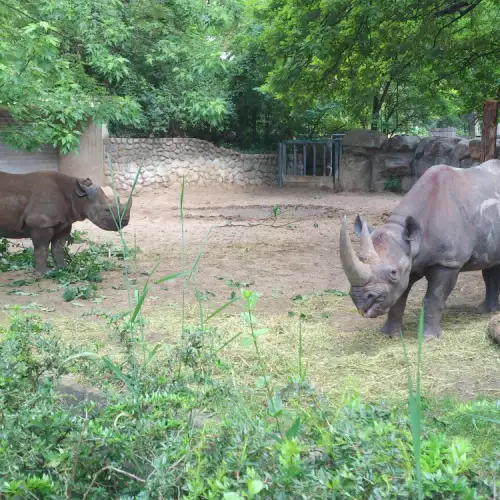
(261, 382)
(255, 486)
(294, 429)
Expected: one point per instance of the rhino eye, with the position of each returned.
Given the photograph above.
(393, 274)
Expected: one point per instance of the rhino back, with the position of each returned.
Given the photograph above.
(38, 199)
(459, 212)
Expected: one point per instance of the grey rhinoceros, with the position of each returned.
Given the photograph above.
(43, 206)
(448, 223)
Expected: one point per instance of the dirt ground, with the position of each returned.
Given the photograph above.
(294, 253)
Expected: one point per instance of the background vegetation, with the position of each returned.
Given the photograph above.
(243, 72)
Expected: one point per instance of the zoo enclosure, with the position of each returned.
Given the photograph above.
(313, 157)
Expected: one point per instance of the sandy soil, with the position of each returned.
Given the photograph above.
(280, 257)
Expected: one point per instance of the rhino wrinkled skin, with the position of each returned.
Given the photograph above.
(43, 206)
(448, 223)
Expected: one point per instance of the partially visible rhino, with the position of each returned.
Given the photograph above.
(448, 223)
(43, 206)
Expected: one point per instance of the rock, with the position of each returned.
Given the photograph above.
(74, 393)
(469, 162)
(493, 328)
(460, 152)
(363, 138)
(419, 152)
(398, 164)
(441, 147)
(355, 173)
(407, 183)
(403, 143)
(435, 151)
(475, 149)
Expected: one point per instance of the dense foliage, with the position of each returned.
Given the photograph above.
(243, 72)
(172, 428)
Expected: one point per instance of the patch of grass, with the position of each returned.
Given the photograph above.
(83, 267)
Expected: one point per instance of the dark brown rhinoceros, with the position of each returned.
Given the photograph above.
(43, 206)
(449, 222)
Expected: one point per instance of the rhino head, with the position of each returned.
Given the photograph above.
(379, 275)
(100, 210)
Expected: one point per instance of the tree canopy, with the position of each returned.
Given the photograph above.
(243, 71)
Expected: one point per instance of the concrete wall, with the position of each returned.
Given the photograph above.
(165, 161)
(22, 162)
(88, 162)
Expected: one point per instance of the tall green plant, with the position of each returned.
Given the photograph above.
(414, 402)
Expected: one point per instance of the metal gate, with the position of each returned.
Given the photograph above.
(314, 157)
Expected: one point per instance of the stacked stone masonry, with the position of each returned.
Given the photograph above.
(370, 159)
(165, 161)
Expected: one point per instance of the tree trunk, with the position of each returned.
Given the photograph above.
(489, 132)
(377, 105)
(375, 113)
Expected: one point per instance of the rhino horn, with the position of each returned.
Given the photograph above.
(129, 206)
(358, 273)
(367, 249)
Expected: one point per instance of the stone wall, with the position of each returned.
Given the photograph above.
(370, 159)
(166, 160)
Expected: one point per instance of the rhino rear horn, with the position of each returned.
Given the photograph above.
(368, 251)
(358, 273)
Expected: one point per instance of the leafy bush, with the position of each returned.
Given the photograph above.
(393, 184)
(83, 266)
(172, 428)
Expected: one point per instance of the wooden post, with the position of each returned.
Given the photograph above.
(489, 132)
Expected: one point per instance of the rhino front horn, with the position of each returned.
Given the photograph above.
(358, 273)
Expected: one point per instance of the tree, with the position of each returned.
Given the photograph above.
(387, 64)
(54, 58)
(178, 72)
(152, 66)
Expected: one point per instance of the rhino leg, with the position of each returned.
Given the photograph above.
(41, 239)
(491, 279)
(394, 322)
(441, 281)
(58, 243)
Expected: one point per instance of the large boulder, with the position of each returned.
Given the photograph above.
(403, 143)
(363, 138)
(441, 147)
(493, 328)
(355, 170)
(460, 153)
(386, 165)
(475, 149)
(437, 150)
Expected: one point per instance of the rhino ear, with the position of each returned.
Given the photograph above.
(358, 226)
(412, 229)
(81, 188)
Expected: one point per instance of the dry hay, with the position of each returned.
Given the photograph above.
(464, 362)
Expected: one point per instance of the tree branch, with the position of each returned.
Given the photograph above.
(456, 7)
(114, 469)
